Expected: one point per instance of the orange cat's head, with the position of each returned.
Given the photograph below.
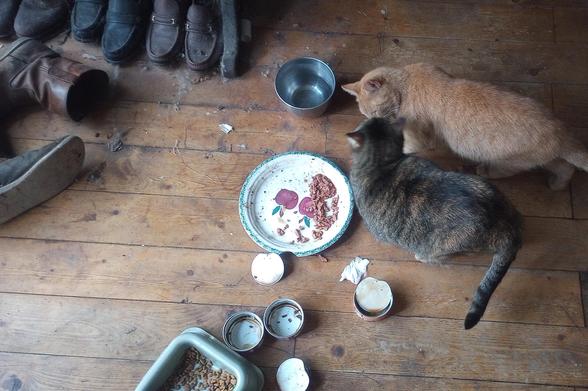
(377, 93)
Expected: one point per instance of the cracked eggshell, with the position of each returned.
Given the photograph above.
(292, 375)
(267, 269)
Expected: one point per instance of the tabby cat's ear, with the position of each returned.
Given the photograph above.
(374, 84)
(355, 139)
(351, 88)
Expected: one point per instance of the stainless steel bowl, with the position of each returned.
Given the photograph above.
(305, 86)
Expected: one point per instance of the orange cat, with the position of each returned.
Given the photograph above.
(505, 132)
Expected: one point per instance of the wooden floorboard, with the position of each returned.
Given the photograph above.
(190, 173)
(411, 18)
(96, 282)
(219, 277)
(112, 328)
(214, 224)
(331, 341)
(53, 373)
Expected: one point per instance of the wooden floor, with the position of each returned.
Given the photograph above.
(97, 281)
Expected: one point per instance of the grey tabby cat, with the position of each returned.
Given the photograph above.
(410, 202)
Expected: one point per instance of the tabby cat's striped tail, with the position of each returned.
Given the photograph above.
(500, 264)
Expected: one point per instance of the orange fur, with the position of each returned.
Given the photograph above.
(505, 132)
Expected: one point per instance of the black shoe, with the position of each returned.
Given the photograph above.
(124, 32)
(41, 19)
(8, 10)
(87, 19)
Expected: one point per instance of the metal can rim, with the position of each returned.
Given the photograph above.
(231, 319)
(275, 304)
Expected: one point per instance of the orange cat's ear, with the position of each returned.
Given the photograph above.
(351, 88)
(355, 139)
(374, 84)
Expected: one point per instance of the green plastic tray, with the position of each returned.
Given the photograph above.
(249, 377)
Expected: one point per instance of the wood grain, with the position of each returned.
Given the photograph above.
(113, 328)
(584, 287)
(224, 278)
(347, 53)
(205, 223)
(571, 104)
(404, 346)
(409, 19)
(570, 24)
(182, 172)
(31, 372)
(336, 380)
(38, 372)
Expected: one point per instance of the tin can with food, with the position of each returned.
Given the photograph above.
(373, 299)
(283, 319)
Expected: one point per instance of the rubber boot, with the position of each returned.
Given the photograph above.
(31, 73)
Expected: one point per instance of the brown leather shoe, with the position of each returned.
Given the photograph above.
(32, 73)
(164, 38)
(203, 45)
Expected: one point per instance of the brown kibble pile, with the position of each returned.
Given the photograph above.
(196, 374)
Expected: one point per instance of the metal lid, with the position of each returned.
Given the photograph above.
(283, 318)
(267, 269)
(293, 375)
(373, 299)
(243, 331)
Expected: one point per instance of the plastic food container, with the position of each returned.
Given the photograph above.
(249, 377)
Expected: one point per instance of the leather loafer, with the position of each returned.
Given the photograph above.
(203, 45)
(126, 22)
(41, 19)
(87, 19)
(164, 37)
(8, 9)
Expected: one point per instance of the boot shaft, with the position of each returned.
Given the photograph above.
(32, 73)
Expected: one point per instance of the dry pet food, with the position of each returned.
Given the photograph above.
(198, 374)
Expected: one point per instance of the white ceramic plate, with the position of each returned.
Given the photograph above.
(262, 216)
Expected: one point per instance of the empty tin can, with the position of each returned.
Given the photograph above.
(243, 331)
(373, 299)
(283, 319)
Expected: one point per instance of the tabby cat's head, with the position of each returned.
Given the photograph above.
(377, 140)
(378, 93)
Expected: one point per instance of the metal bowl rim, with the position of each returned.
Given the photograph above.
(305, 108)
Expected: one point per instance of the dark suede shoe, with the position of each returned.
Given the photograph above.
(8, 9)
(164, 37)
(124, 32)
(41, 19)
(36, 176)
(87, 19)
(203, 45)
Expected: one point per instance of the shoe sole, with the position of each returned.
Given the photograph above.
(48, 177)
